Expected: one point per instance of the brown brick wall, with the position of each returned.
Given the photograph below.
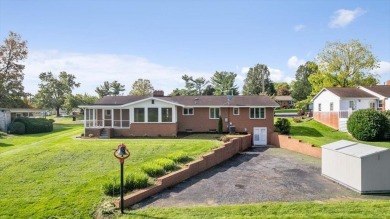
(200, 122)
(284, 141)
(94, 131)
(330, 119)
(152, 129)
(207, 161)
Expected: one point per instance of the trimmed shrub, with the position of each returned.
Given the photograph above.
(136, 180)
(17, 128)
(132, 181)
(166, 163)
(35, 125)
(153, 169)
(2, 134)
(282, 126)
(112, 187)
(179, 157)
(367, 125)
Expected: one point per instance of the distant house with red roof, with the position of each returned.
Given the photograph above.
(159, 115)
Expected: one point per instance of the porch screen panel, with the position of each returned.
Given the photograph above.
(139, 115)
(152, 114)
(125, 118)
(166, 114)
(117, 117)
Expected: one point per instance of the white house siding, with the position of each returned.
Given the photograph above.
(360, 103)
(387, 104)
(325, 98)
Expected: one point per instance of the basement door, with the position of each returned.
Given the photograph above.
(260, 135)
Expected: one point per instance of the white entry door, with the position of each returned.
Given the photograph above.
(260, 136)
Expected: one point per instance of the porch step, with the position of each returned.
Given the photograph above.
(104, 134)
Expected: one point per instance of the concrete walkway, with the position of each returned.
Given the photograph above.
(258, 175)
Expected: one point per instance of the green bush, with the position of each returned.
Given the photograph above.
(17, 128)
(2, 134)
(132, 181)
(112, 187)
(282, 126)
(153, 169)
(368, 125)
(136, 180)
(179, 157)
(166, 163)
(35, 125)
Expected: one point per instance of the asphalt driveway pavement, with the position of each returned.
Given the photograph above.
(257, 175)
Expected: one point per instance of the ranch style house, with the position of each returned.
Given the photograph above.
(159, 115)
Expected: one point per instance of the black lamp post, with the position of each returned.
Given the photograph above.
(122, 153)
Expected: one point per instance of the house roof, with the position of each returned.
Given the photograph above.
(383, 90)
(194, 101)
(283, 98)
(346, 92)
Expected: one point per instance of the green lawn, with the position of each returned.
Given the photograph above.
(318, 134)
(357, 209)
(56, 175)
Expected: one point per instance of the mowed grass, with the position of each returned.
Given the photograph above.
(56, 175)
(318, 134)
(357, 209)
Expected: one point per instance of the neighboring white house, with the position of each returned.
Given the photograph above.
(333, 106)
(382, 92)
(360, 167)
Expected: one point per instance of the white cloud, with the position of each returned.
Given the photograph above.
(91, 70)
(343, 17)
(299, 27)
(275, 74)
(383, 69)
(294, 62)
(244, 70)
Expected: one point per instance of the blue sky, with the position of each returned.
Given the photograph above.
(104, 40)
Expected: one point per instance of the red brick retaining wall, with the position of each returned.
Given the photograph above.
(286, 142)
(207, 161)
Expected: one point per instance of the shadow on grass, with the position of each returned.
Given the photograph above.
(5, 145)
(304, 131)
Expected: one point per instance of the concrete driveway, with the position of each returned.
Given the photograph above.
(258, 175)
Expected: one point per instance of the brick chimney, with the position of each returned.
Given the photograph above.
(158, 93)
(388, 82)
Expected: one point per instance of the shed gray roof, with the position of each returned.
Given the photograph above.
(346, 92)
(354, 149)
(283, 98)
(195, 100)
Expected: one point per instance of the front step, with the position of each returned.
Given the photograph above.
(104, 134)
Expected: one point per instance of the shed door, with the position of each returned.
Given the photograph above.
(260, 136)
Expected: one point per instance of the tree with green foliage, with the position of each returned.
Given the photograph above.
(344, 65)
(194, 86)
(104, 90)
(223, 83)
(114, 88)
(282, 89)
(302, 88)
(74, 101)
(12, 52)
(258, 82)
(53, 91)
(142, 87)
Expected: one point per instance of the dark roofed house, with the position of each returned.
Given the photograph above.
(284, 101)
(159, 115)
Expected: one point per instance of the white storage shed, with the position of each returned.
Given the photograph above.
(360, 167)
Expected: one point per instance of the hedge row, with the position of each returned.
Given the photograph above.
(31, 125)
